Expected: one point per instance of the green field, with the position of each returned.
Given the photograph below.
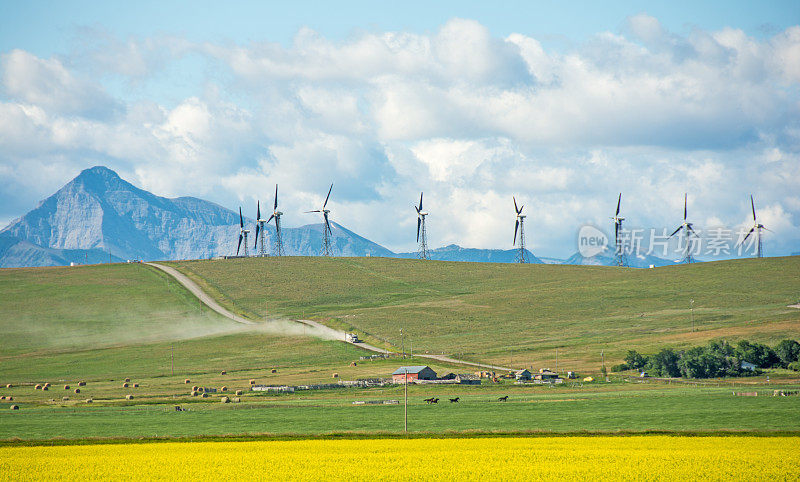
(518, 315)
(101, 324)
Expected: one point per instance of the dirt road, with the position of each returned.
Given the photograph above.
(317, 329)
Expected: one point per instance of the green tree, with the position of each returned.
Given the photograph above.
(635, 360)
(788, 351)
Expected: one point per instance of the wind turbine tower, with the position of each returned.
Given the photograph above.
(757, 227)
(242, 234)
(688, 232)
(519, 226)
(422, 249)
(326, 228)
(277, 215)
(260, 232)
(619, 252)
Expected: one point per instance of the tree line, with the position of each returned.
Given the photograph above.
(716, 359)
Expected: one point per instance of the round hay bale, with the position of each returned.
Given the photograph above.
(252, 382)
(14, 407)
(128, 380)
(81, 384)
(335, 375)
(353, 364)
(66, 387)
(125, 385)
(194, 393)
(64, 399)
(45, 387)
(46, 384)
(9, 398)
(274, 370)
(195, 388)
(77, 390)
(223, 389)
(135, 385)
(224, 400)
(3, 397)
(236, 400)
(8, 385)
(187, 381)
(238, 392)
(223, 372)
(204, 395)
(128, 397)
(37, 387)
(89, 400)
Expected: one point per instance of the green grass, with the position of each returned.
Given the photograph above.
(504, 312)
(636, 409)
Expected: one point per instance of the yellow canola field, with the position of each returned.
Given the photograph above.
(537, 458)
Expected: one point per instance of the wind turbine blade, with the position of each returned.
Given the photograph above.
(765, 229)
(690, 228)
(239, 245)
(258, 226)
(276, 197)
(516, 227)
(419, 223)
(258, 211)
(241, 219)
(673, 233)
(270, 218)
(516, 209)
(748, 235)
(685, 200)
(753, 205)
(619, 201)
(420, 202)
(314, 211)
(326, 197)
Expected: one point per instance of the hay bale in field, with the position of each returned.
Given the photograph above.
(335, 375)
(8, 385)
(252, 382)
(45, 387)
(64, 399)
(37, 387)
(274, 370)
(238, 392)
(3, 397)
(125, 385)
(77, 390)
(128, 380)
(135, 385)
(187, 381)
(128, 397)
(66, 387)
(194, 393)
(195, 388)
(46, 384)
(81, 384)
(14, 407)
(224, 400)
(223, 372)
(10, 398)
(223, 389)
(89, 400)
(204, 395)
(236, 400)
(353, 364)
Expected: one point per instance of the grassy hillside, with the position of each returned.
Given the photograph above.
(524, 313)
(126, 320)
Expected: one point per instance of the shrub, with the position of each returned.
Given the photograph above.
(788, 351)
(619, 368)
(794, 366)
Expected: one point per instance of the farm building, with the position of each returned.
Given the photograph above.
(522, 375)
(468, 379)
(403, 374)
(546, 374)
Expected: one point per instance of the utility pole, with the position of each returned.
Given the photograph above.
(691, 307)
(403, 343)
(405, 402)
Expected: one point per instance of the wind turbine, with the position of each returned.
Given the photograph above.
(619, 253)
(422, 250)
(277, 215)
(757, 228)
(519, 226)
(326, 228)
(260, 231)
(242, 234)
(687, 232)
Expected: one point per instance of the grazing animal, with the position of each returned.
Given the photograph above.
(503, 399)
(428, 400)
(435, 400)
(178, 408)
(454, 400)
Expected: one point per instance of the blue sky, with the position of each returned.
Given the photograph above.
(563, 106)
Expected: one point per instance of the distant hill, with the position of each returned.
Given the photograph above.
(454, 252)
(100, 213)
(634, 261)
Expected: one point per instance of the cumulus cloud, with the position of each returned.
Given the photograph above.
(467, 117)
